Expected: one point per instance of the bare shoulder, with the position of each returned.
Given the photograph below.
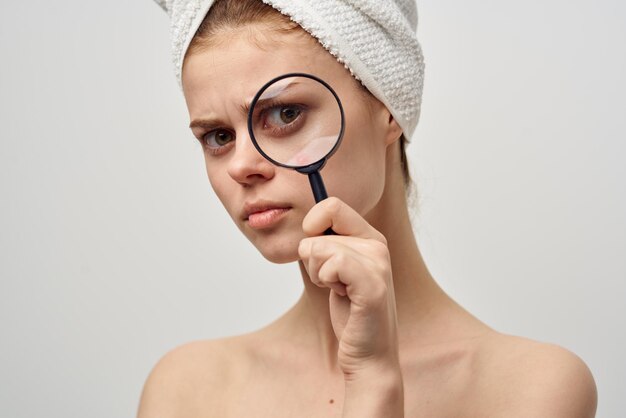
(193, 377)
(528, 378)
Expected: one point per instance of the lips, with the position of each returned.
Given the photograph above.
(264, 214)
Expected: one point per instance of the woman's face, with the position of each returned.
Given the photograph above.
(221, 80)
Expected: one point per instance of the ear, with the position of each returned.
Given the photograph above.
(393, 130)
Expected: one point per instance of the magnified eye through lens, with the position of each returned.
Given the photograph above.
(296, 120)
(281, 119)
(289, 114)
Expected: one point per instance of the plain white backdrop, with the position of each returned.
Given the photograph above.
(114, 250)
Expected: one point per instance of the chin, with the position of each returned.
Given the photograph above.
(281, 258)
(278, 250)
(278, 245)
(279, 254)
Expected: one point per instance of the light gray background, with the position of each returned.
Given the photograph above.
(114, 249)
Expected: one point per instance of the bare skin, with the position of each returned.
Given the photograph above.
(428, 358)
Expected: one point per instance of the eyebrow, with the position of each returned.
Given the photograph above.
(210, 123)
(243, 108)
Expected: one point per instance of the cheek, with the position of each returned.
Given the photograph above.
(360, 183)
(356, 173)
(222, 184)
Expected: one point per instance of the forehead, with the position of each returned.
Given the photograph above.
(229, 72)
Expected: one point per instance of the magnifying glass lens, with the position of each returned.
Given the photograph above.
(296, 121)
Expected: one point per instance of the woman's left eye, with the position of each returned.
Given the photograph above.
(280, 116)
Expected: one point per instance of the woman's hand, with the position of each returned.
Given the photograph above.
(356, 266)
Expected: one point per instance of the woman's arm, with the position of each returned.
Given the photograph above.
(378, 395)
(356, 266)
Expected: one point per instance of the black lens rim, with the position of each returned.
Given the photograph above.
(317, 164)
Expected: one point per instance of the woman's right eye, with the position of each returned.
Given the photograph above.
(217, 139)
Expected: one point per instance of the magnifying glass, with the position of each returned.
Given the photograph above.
(296, 121)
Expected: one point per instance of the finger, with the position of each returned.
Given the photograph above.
(334, 213)
(366, 277)
(323, 257)
(328, 274)
(361, 245)
(311, 264)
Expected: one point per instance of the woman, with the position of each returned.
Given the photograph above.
(372, 335)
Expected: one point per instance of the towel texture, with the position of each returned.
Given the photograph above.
(375, 39)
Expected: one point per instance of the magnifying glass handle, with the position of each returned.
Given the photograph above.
(317, 185)
(319, 192)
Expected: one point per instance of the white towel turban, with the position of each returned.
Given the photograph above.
(375, 39)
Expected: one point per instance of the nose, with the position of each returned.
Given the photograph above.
(247, 166)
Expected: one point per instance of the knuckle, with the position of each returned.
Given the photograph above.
(313, 247)
(315, 279)
(381, 238)
(301, 249)
(379, 249)
(381, 271)
(378, 292)
(333, 204)
(325, 276)
(340, 258)
(307, 224)
(305, 248)
(375, 298)
(316, 282)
